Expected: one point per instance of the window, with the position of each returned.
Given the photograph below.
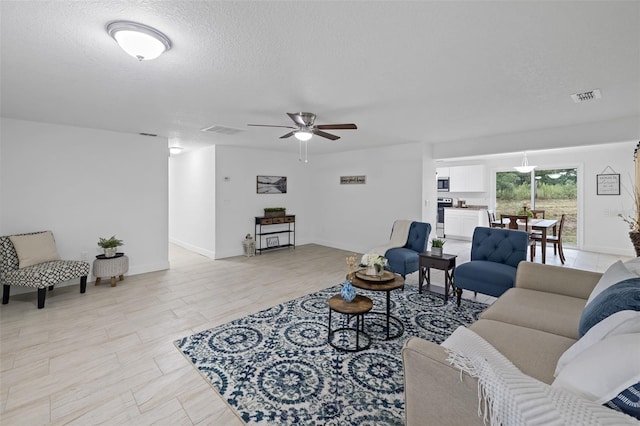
(553, 190)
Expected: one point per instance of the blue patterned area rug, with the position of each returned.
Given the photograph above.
(275, 367)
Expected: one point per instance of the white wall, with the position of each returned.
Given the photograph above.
(237, 203)
(83, 184)
(600, 228)
(192, 191)
(360, 217)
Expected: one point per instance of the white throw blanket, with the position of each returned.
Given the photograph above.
(513, 398)
(399, 236)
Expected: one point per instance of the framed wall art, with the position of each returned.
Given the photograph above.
(273, 241)
(353, 180)
(271, 184)
(608, 184)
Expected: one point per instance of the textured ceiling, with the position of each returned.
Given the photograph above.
(402, 71)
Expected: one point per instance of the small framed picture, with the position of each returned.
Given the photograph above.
(273, 241)
(608, 184)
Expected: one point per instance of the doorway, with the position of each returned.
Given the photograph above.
(553, 190)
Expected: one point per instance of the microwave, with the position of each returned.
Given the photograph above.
(443, 184)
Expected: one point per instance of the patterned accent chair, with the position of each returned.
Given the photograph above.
(404, 260)
(495, 255)
(40, 275)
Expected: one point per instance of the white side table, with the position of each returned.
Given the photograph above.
(110, 267)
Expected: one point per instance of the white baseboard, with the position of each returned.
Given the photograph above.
(208, 253)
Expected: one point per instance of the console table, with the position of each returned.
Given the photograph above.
(268, 231)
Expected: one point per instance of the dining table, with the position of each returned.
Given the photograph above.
(542, 225)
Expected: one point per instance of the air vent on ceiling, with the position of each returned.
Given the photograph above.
(586, 96)
(221, 129)
(148, 134)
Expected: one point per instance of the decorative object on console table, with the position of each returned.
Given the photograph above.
(436, 246)
(275, 212)
(110, 245)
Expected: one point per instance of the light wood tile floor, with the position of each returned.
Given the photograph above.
(107, 356)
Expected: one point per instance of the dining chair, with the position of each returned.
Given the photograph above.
(493, 222)
(513, 224)
(556, 240)
(537, 214)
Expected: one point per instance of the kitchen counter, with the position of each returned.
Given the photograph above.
(469, 207)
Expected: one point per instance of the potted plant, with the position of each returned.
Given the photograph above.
(110, 245)
(436, 246)
(374, 263)
(274, 211)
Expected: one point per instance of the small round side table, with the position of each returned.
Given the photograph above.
(110, 267)
(358, 307)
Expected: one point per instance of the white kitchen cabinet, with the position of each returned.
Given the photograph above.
(442, 172)
(460, 223)
(467, 178)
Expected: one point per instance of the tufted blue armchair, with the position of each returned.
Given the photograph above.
(495, 255)
(404, 260)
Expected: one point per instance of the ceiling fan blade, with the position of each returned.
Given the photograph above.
(271, 125)
(297, 119)
(349, 126)
(288, 135)
(325, 135)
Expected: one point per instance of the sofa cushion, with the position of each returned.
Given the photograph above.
(539, 310)
(604, 370)
(622, 296)
(534, 352)
(622, 322)
(35, 248)
(614, 274)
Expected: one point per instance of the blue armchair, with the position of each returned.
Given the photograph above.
(404, 260)
(495, 254)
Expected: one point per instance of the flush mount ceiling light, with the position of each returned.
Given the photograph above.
(175, 150)
(303, 135)
(139, 40)
(525, 167)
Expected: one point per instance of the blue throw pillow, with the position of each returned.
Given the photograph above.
(628, 401)
(622, 296)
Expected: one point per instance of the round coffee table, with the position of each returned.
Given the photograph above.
(359, 306)
(394, 282)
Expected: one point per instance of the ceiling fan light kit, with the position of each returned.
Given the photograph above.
(303, 135)
(138, 40)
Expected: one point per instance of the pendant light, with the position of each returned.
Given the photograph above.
(525, 167)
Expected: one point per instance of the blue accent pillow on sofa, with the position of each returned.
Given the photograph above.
(622, 296)
(628, 401)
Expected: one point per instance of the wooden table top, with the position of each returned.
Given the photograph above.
(397, 282)
(359, 305)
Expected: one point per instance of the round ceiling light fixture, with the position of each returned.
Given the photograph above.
(174, 150)
(139, 40)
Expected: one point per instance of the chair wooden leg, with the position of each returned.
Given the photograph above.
(458, 295)
(5, 294)
(42, 293)
(83, 284)
(50, 287)
(562, 259)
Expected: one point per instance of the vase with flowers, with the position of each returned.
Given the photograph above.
(634, 220)
(374, 264)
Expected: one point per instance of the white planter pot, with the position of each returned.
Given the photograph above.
(110, 252)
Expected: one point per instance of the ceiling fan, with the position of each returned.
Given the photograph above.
(305, 127)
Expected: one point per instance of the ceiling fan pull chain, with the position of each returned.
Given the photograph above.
(306, 160)
(300, 151)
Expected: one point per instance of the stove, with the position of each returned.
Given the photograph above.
(442, 203)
